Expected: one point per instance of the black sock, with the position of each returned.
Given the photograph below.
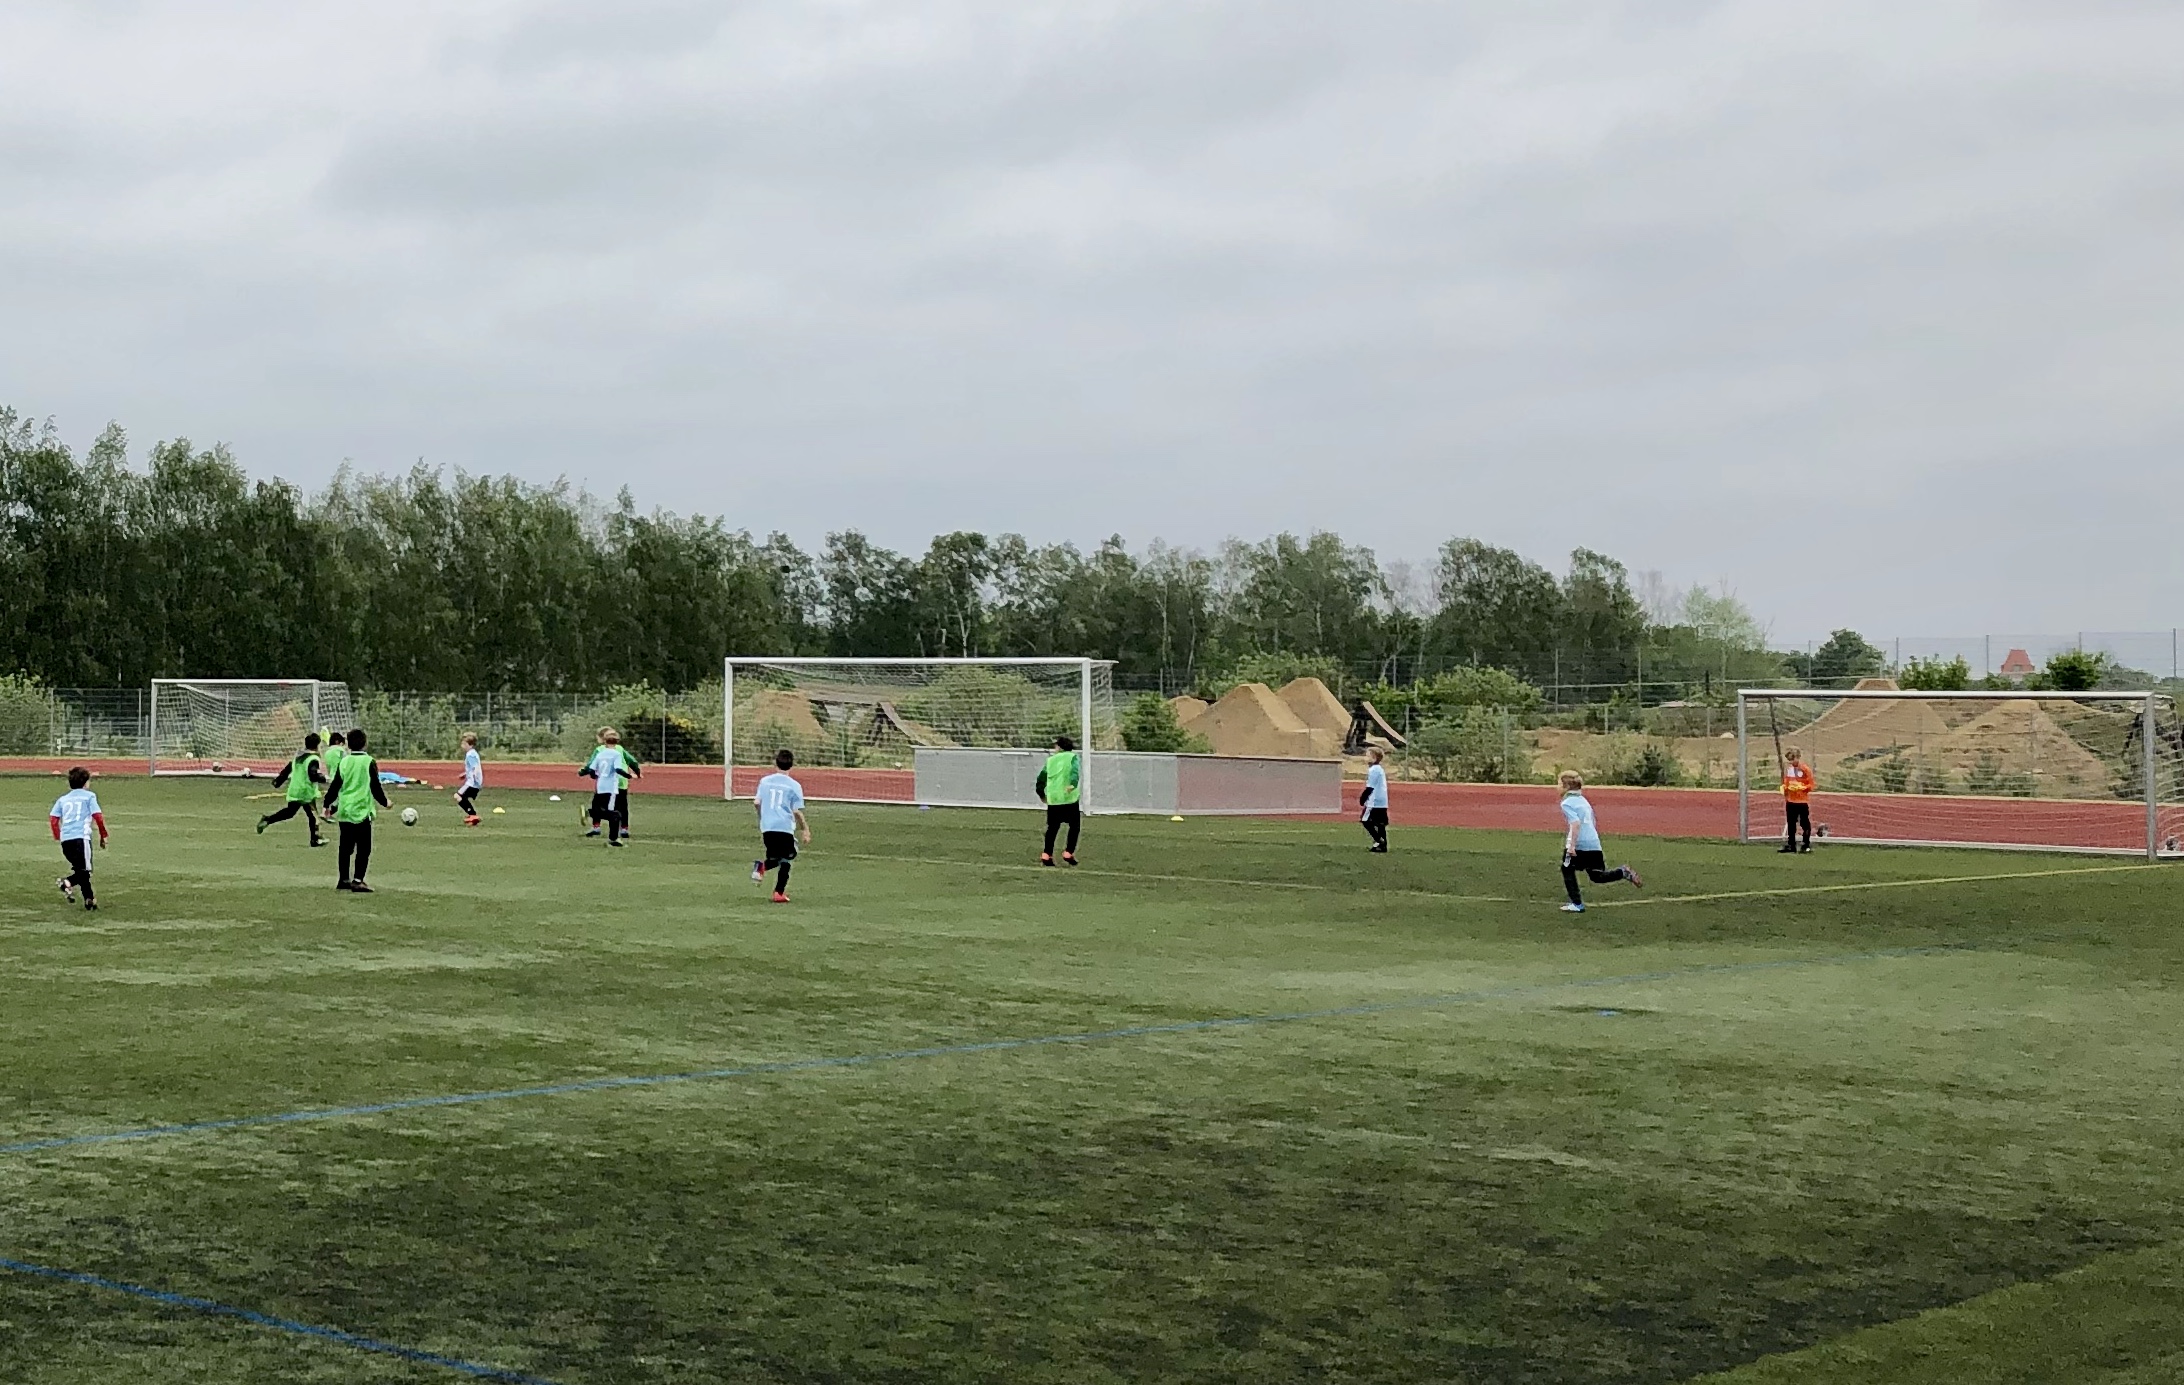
(781, 881)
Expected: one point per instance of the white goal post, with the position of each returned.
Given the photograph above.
(239, 726)
(973, 733)
(2019, 770)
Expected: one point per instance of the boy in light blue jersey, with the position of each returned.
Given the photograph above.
(1581, 850)
(605, 769)
(473, 779)
(75, 814)
(780, 801)
(1374, 800)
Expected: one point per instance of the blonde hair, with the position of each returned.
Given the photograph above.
(611, 736)
(1571, 779)
(470, 738)
(1793, 753)
(1373, 753)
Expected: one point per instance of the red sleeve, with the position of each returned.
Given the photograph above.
(54, 821)
(100, 819)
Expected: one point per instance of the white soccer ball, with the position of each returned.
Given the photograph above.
(409, 817)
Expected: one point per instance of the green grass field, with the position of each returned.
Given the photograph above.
(1868, 1128)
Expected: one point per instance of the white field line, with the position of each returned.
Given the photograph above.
(953, 863)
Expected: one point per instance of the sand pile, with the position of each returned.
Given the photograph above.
(1251, 719)
(779, 712)
(1186, 707)
(2021, 738)
(1865, 728)
(1316, 707)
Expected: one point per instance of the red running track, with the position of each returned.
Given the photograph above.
(2028, 822)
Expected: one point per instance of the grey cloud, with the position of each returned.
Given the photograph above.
(1665, 280)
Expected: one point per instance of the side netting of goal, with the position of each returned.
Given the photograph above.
(2026, 770)
(239, 725)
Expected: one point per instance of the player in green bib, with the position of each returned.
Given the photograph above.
(303, 777)
(354, 797)
(1060, 786)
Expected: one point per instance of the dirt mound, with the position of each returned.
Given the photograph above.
(1186, 708)
(1860, 728)
(1251, 719)
(1316, 707)
(779, 712)
(2022, 738)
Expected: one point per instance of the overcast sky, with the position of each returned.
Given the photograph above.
(1874, 310)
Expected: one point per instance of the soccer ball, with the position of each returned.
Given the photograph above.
(409, 817)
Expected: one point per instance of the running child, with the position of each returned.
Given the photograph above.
(780, 801)
(1581, 849)
(74, 814)
(1060, 786)
(1797, 787)
(354, 797)
(473, 779)
(1374, 800)
(605, 769)
(305, 778)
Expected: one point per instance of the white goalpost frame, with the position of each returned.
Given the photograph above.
(2148, 700)
(1084, 669)
(151, 727)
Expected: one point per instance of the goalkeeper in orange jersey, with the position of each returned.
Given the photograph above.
(1797, 784)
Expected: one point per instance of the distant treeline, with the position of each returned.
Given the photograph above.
(115, 574)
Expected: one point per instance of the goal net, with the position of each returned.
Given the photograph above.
(239, 725)
(2079, 771)
(858, 725)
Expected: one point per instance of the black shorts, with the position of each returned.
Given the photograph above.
(1588, 860)
(780, 846)
(1064, 812)
(77, 851)
(602, 806)
(1376, 817)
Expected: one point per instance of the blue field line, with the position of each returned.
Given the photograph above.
(899, 1055)
(333, 1335)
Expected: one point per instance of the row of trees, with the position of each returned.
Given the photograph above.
(114, 574)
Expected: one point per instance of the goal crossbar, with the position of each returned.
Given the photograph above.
(241, 726)
(2099, 771)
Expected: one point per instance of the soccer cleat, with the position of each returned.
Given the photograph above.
(471, 821)
(262, 825)
(758, 872)
(343, 885)
(1069, 858)
(593, 833)
(616, 841)
(1573, 908)
(780, 898)
(359, 887)
(318, 841)
(1045, 859)
(1787, 851)
(68, 889)
(1632, 877)
(89, 907)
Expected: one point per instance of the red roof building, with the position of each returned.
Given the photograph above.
(2018, 664)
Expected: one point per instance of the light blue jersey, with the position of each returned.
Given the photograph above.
(1577, 811)
(606, 767)
(74, 811)
(1376, 787)
(780, 798)
(473, 770)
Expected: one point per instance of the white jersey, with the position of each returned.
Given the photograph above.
(606, 768)
(473, 771)
(75, 810)
(1376, 787)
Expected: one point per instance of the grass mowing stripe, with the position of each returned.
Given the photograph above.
(1866, 885)
(335, 1335)
(1171, 879)
(855, 1060)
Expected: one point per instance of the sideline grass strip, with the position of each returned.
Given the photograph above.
(2115, 1319)
(1864, 885)
(855, 1060)
(311, 1331)
(1172, 879)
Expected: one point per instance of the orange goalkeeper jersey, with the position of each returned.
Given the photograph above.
(1797, 782)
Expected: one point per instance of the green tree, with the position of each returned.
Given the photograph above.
(1935, 675)
(1844, 658)
(1148, 723)
(1496, 607)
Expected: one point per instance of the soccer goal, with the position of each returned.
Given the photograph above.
(240, 726)
(2036, 771)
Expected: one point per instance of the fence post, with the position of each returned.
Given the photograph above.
(1744, 778)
